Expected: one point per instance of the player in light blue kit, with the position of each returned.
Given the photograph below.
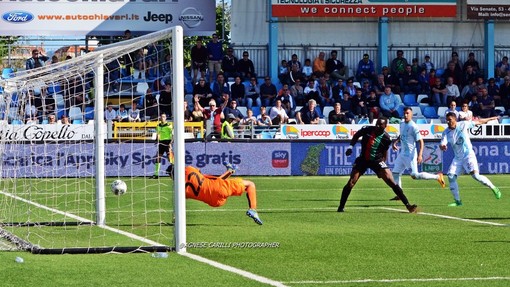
(410, 156)
(464, 156)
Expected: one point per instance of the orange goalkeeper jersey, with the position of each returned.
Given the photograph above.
(211, 189)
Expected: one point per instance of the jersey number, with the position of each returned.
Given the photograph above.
(200, 180)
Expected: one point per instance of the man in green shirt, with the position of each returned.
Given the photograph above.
(164, 138)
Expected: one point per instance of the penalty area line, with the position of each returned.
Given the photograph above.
(234, 270)
(448, 217)
(400, 280)
(82, 219)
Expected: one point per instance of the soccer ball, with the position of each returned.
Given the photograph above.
(119, 187)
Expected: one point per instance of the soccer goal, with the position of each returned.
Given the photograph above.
(62, 148)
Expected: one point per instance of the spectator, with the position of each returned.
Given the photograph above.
(390, 103)
(295, 74)
(427, 65)
(134, 113)
(232, 109)
(502, 68)
(307, 70)
(465, 114)
(220, 86)
(423, 82)
(336, 116)
(238, 91)
(319, 64)
(373, 106)
(288, 103)
(129, 57)
(493, 91)
(215, 53)
(453, 71)
(335, 68)
(471, 61)
(337, 91)
(439, 93)
(165, 101)
(390, 80)
(469, 76)
(455, 60)
(297, 93)
(249, 120)
(188, 117)
(410, 81)
(36, 61)
(415, 67)
(151, 105)
(263, 119)
(398, 66)
(278, 114)
(283, 72)
(310, 91)
(294, 61)
(203, 91)
(451, 109)
(252, 94)
(504, 93)
(325, 93)
(65, 120)
(197, 114)
(452, 91)
(474, 105)
(359, 106)
(110, 114)
(199, 56)
(215, 115)
(122, 114)
(346, 104)
(366, 70)
(308, 114)
(245, 67)
(486, 103)
(52, 119)
(350, 87)
(268, 92)
(229, 64)
(227, 128)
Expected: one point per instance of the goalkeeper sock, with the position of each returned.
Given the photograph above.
(156, 172)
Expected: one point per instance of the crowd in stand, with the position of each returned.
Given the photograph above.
(305, 90)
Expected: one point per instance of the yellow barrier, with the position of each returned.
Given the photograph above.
(146, 130)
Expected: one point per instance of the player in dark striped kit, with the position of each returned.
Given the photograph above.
(374, 149)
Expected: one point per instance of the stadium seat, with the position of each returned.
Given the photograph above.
(430, 113)
(326, 111)
(363, 121)
(410, 100)
(256, 110)
(141, 87)
(417, 112)
(89, 113)
(77, 122)
(242, 109)
(423, 99)
(7, 73)
(500, 110)
(439, 72)
(421, 121)
(54, 89)
(441, 111)
(44, 122)
(16, 122)
(75, 114)
(400, 111)
(266, 135)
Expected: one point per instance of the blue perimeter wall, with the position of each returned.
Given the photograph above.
(255, 158)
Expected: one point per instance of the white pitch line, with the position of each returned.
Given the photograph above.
(82, 219)
(399, 280)
(234, 270)
(448, 217)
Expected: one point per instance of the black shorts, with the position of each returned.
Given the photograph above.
(163, 147)
(362, 165)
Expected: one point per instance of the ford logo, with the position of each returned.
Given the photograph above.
(17, 17)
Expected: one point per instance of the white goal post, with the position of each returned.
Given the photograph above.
(54, 190)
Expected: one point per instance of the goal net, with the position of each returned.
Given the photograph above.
(69, 129)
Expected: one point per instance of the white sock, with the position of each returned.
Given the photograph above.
(396, 178)
(426, 175)
(454, 187)
(483, 179)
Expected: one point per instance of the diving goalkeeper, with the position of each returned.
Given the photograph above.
(214, 190)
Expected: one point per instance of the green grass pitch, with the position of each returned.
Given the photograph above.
(373, 243)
